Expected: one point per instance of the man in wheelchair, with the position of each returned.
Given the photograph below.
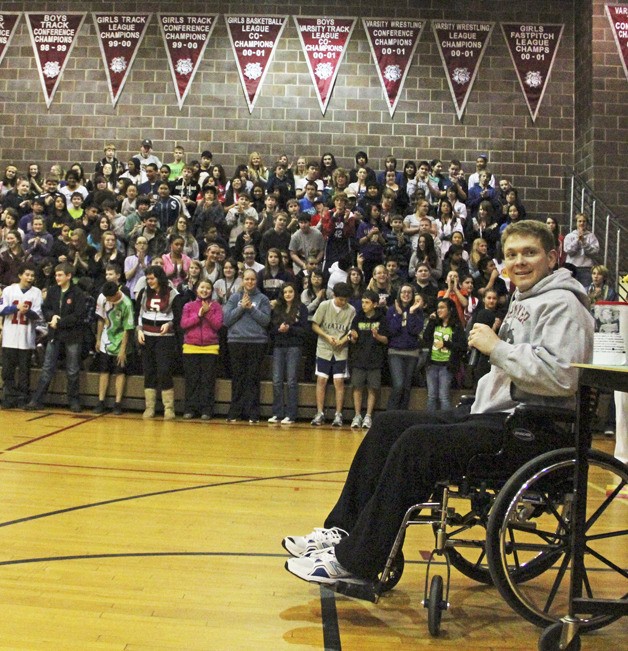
(405, 454)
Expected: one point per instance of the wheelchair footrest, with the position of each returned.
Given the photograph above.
(365, 591)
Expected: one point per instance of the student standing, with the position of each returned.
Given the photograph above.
(405, 323)
(20, 307)
(445, 338)
(332, 323)
(64, 310)
(115, 327)
(288, 327)
(155, 332)
(200, 322)
(369, 338)
(246, 315)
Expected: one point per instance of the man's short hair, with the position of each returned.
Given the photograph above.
(483, 263)
(304, 217)
(66, 268)
(112, 266)
(143, 200)
(26, 266)
(532, 228)
(368, 293)
(109, 289)
(342, 290)
(152, 166)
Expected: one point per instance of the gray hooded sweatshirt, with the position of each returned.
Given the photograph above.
(547, 329)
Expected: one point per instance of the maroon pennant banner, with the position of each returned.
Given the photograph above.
(53, 36)
(462, 46)
(8, 23)
(618, 18)
(393, 43)
(119, 38)
(324, 42)
(254, 40)
(533, 49)
(185, 39)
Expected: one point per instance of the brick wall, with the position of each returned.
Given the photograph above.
(583, 145)
(609, 116)
(287, 117)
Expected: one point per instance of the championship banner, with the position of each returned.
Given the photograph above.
(618, 18)
(324, 42)
(119, 38)
(8, 23)
(53, 37)
(393, 43)
(461, 46)
(185, 40)
(254, 40)
(533, 49)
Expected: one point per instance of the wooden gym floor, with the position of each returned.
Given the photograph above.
(119, 534)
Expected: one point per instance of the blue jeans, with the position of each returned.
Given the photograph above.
(285, 367)
(401, 373)
(72, 369)
(439, 379)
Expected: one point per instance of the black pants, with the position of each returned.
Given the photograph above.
(159, 358)
(397, 465)
(246, 366)
(200, 382)
(16, 361)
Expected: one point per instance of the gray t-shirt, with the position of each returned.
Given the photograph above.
(336, 322)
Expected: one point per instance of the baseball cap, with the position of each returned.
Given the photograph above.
(147, 143)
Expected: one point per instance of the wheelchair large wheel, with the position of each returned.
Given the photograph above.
(530, 527)
(466, 549)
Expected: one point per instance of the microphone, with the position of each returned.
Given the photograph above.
(486, 317)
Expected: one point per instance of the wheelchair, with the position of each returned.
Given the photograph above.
(514, 530)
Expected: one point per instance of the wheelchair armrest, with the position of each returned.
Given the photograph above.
(560, 414)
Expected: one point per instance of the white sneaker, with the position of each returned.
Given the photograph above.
(322, 568)
(367, 423)
(273, 419)
(319, 539)
(319, 419)
(356, 422)
(287, 421)
(337, 422)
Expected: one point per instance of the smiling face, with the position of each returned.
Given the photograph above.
(204, 289)
(288, 293)
(526, 261)
(249, 280)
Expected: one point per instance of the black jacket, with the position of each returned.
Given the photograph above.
(71, 308)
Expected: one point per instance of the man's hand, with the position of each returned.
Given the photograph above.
(483, 338)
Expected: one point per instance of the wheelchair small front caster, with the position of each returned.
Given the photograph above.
(435, 605)
(550, 639)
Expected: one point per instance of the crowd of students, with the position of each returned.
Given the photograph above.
(354, 271)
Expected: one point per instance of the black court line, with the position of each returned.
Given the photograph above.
(329, 617)
(81, 420)
(170, 491)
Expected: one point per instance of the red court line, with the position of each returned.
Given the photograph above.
(45, 436)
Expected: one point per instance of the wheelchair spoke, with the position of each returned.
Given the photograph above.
(600, 510)
(607, 562)
(557, 582)
(610, 534)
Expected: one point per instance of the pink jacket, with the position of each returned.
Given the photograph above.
(201, 331)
